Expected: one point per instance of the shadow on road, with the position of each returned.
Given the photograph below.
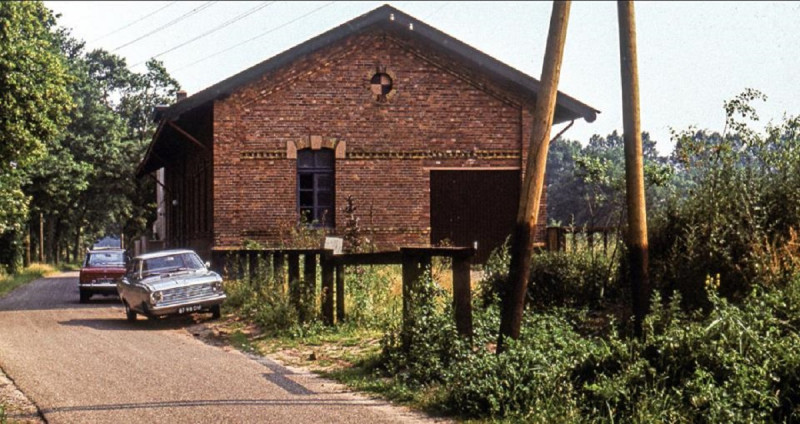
(146, 324)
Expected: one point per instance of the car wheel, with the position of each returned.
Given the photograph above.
(85, 296)
(216, 313)
(130, 313)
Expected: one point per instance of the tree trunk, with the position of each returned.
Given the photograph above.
(528, 213)
(634, 165)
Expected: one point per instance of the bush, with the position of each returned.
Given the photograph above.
(583, 278)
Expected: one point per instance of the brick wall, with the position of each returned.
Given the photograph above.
(435, 118)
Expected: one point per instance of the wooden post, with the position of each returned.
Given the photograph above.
(327, 288)
(309, 285)
(278, 271)
(634, 165)
(462, 296)
(413, 268)
(294, 280)
(531, 194)
(340, 293)
(252, 265)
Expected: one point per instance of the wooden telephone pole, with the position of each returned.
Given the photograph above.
(528, 213)
(634, 165)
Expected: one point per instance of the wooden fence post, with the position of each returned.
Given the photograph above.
(340, 293)
(413, 268)
(327, 287)
(309, 284)
(278, 271)
(294, 280)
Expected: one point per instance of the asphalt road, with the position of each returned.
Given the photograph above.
(84, 363)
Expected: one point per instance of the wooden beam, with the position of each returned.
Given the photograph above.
(187, 135)
(340, 293)
(327, 289)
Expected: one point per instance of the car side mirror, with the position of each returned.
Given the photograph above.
(208, 265)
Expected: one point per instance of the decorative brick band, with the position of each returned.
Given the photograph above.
(429, 154)
(396, 230)
(403, 155)
(265, 154)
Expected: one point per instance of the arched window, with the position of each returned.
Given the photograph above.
(315, 186)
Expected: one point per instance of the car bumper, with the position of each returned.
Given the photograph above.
(103, 288)
(188, 306)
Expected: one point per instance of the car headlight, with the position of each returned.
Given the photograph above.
(156, 297)
(216, 285)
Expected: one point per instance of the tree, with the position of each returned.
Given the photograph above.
(34, 104)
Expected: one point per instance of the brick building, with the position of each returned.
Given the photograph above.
(426, 133)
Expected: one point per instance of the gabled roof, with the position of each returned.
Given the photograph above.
(393, 21)
(390, 19)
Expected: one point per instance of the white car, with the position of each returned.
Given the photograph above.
(170, 282)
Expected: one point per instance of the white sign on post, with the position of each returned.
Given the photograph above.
(335, 244)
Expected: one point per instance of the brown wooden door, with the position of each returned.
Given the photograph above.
(469, 206)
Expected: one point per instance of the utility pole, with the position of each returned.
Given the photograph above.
(530, 197)
(634, 165)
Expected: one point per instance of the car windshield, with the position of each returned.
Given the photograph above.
(172, 263)
(105, 259)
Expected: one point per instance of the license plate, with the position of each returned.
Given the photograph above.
(187, 309)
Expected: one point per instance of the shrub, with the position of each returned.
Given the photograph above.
(581, 278)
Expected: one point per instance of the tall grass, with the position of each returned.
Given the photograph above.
(32, 272)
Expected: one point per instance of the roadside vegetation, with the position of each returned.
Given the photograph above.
(25, 276)
(720, 344)
(75, 124)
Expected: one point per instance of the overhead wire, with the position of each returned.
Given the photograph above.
(134, 22)
(211, 31)
(194, 11)
(271, 30)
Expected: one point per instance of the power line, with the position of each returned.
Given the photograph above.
(134, 22)
(170, 23)
(219, 27)
(257, 36)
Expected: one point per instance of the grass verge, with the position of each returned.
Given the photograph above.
(11, 282)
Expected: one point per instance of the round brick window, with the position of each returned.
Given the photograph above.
(381, 84)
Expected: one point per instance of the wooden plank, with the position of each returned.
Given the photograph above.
(380, 258)
(414, 265)
(340, 293)
(309, 286)
(327, 290)
(294, 280)
(278, 269)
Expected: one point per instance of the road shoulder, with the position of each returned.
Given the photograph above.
(18, 408)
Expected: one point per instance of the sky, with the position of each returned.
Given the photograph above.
(693, 56)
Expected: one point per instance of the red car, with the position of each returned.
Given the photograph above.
(100, 271)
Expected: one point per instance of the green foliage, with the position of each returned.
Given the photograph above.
(34, 104)
(586, 184)
(734, 208)
(733, 363)
(370, 301)
(581, 278)
(431, 342)
(9, 282)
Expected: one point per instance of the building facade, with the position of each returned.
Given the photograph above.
(425, 135)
